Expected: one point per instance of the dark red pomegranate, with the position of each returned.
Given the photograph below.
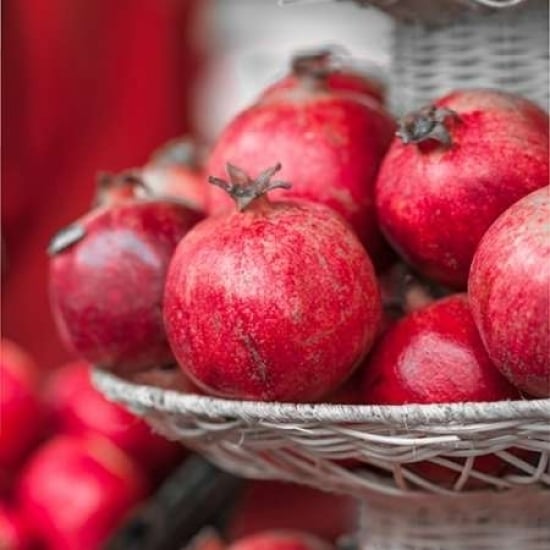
(75, 492)
(79, 409)
(21, 408)
(453, 169)
(509, 290)
(107, 275)
(272, 301)
(176, 171)
(332, 65)
(281, 540)
(329, 143)
(435, 355)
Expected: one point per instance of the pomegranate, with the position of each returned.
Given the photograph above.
(332, 65)
(435, 355)
(454, 167)
(107, 274)
(175, 170)
(21, 409)
(76, 491)
(281, 540)
(329, 143)
(509, 292)
(80, 409)
(273, 301)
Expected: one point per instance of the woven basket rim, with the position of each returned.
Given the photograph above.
(138, 395)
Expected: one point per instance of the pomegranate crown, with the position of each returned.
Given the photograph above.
(243, 189)
(425, 124)
(318, 63)
(113, 188)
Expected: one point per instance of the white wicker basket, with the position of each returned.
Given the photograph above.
(438, 46)
(507, 50)
(314, 444)
(442, 45)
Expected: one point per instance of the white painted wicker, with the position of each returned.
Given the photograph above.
(506, 50)
(370, 452)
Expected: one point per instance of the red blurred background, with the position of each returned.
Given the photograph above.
(87, 86)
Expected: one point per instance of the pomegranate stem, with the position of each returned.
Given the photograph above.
(243, 189)
(427, 123)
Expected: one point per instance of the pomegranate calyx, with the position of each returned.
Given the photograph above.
(425, 124)
(243, 189)
(178, 152)
(318, 64)
(312, 68)
(114, 188)
(65, 238)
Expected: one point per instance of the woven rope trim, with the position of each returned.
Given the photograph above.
(424, 10)
(251, 411)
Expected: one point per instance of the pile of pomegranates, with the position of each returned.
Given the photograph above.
(319, 212)
(73, 465)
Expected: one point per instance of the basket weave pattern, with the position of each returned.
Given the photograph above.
(307, 443)
(507, 50)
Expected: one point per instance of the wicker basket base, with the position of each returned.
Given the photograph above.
(518, 520)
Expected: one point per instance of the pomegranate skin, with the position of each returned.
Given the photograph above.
(76, 491)
(329, 144)
(508, 289)
(330, 65)
(435, 201)
(21, 408)
(107, 280)
(435, 355)
(275, 302)
(281, 540)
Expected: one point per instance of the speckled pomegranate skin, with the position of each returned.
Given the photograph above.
(329, 144)
(106, 288)
(434, 355)
(341, 80)
(435, 203)
(509, 290)
(281, 540)
(277, 302)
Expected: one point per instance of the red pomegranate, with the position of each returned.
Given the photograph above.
(454, 167)
(79, 409)
(332, 65)
(273, 301)
(435, 355)
(281, 540)
(107, 274)
(175, 170)
(21, 407)
(329, 143)
(76, 491)
(509, 292)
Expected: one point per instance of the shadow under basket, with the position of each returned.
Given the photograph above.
(458, 476)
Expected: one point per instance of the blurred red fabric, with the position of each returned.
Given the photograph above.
(87, 86)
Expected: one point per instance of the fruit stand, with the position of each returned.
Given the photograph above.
(366, 450)
(432, 472)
